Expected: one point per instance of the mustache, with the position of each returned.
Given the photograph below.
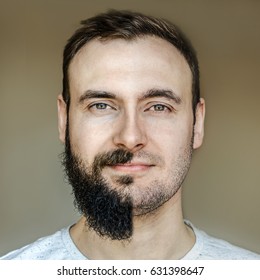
(114, 157)
(121, 156)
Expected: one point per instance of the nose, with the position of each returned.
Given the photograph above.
(130, 134)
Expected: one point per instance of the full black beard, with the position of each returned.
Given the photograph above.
(107, 212)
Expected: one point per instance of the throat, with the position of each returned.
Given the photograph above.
(155, 237)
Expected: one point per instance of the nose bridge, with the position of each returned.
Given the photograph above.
(131, 133)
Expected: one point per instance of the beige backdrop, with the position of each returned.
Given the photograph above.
(223, 187)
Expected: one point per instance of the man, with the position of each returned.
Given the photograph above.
(130, 116)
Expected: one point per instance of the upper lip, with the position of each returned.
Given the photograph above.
(134, 164)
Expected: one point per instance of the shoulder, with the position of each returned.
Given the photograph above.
(215, 248)
(51, 247)
(210, 248)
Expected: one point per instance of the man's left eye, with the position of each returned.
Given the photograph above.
(159, 108)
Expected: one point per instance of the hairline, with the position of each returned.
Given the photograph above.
(128, 39)
(130, 26)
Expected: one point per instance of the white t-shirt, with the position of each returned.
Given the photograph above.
(60, 246)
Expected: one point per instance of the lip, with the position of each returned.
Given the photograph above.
(132, 167)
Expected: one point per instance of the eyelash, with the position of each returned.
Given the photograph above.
(95, 106)
(99, 104)
(105, 106)
(163, 107)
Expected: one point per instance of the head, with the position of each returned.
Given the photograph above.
(130, 116)
(130, 26)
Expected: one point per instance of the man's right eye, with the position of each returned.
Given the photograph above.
(99, 106)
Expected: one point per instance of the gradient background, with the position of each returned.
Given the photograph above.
(222, 191)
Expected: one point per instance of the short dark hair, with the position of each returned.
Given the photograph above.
(129, 25)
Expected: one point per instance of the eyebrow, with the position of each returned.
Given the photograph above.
(166, 93)
(96, 94)
(152, 93)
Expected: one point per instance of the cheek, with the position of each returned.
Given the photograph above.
(88, 138)
(173, 132)
(172, 139)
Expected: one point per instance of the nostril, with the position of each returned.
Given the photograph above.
(130, 136)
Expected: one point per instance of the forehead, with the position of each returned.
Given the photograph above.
(120, 66)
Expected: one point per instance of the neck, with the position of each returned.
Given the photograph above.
(164, 230)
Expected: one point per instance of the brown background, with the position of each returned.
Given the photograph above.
(223, 187)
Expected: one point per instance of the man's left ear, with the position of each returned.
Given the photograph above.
(199, 124)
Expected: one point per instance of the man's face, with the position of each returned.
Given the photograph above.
(134, 97)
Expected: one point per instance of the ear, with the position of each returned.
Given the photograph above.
(62, 118)
(199, 124)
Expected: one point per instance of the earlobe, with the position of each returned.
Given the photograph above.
(199, 124)
(62, 118)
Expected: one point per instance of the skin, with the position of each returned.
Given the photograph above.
(128, 119)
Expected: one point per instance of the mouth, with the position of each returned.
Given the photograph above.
(132, 167)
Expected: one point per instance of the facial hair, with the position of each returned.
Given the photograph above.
(108, 211)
